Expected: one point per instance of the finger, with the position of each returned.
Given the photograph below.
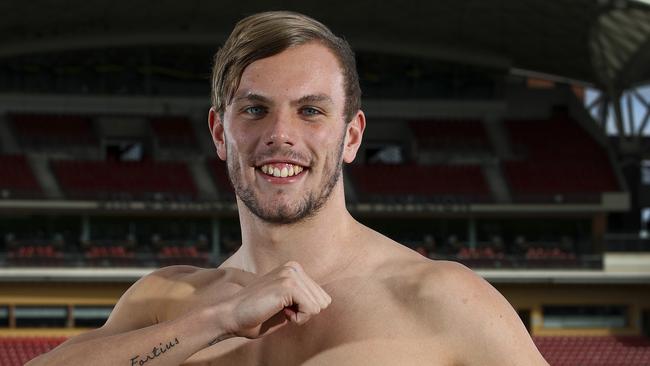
(303, 301)
(319, 292)
(308, 285)
(296, 317)
(322, 298)
(297, 300)
(290, 312)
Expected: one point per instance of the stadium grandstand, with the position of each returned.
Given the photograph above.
(506, 135)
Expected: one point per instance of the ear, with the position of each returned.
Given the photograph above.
(218, 132)
(353, 135)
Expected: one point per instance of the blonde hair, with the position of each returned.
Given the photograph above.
(266, 34)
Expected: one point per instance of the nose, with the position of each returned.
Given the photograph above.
(281, 130)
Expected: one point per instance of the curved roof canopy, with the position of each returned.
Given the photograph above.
(605, 43)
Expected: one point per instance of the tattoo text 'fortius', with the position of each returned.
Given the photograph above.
(155, 352)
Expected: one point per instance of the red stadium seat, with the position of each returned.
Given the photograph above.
(130, 180)
(115, 255)
(36, 131)
(593, 351)
(421, 182)
(574, 168)
(182, 254)
(16, 351)
(173, 132)
(17, 179)
(450, 135)
(220, 175)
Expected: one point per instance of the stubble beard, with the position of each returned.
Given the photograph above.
(287, 214)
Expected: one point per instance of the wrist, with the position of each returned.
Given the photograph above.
(217, 318)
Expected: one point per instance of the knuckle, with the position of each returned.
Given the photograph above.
(287, 271)
(293, 265)
(288, 282)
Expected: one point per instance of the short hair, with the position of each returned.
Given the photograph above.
(266, 34)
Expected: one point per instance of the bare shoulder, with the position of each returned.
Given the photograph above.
(458, 307)
(137, 308)
(172, 276)
(470, 311)
(174, 280)
(149, 292)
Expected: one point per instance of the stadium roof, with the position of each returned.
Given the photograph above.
(601, 42)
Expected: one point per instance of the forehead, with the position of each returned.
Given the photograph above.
(308, 69)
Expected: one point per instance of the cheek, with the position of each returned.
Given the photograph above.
(242, 142)
(322, 144)
(331, 149)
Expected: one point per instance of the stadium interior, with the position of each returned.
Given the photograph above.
(481, 147)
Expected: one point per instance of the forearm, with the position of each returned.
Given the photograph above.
(168, 343)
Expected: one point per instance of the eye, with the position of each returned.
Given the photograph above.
(256, 110)
(310, 111)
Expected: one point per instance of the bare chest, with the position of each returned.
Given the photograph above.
(366, 324)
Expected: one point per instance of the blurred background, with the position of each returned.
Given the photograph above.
(508, 135)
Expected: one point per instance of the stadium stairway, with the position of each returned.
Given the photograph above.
(496, 181)
(498, 137)
(202, 179)
(41, 168)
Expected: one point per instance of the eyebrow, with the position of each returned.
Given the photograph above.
(311, 98)
(253, 98)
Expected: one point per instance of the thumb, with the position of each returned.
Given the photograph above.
(293, 315)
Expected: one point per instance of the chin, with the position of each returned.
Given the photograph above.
(282, 212)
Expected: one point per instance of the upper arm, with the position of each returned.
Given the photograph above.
(135, 309)
(481, 323)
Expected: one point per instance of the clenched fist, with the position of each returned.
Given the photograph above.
(263, 304)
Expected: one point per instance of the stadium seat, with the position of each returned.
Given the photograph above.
(220, 176)
(41, 131)
(145, 180)
(415, 183)
(36, 254)
(17, 179)
(450, 135)
(16, 351)
(173, 133)
(115, 255)
(547, 172)
(595, 350)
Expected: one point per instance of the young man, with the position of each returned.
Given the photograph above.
(309, 285)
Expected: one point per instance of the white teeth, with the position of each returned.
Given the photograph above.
(287, 171)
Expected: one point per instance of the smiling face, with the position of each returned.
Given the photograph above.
(284, 137)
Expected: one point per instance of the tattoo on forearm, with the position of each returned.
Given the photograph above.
(138, 360)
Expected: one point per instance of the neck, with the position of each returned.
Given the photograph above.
(322, 243)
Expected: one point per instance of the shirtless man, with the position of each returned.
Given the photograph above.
(309, 285)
